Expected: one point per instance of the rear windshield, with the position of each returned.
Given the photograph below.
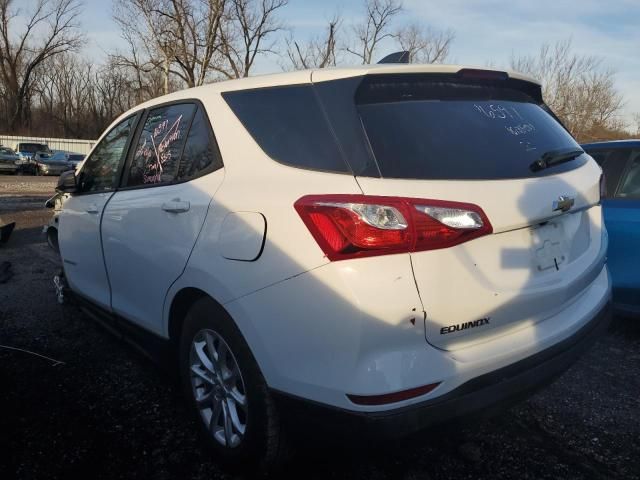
(444, 129)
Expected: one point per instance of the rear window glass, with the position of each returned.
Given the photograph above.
(289, 125)
(458, 130)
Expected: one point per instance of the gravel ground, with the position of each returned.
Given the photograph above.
(106, 412)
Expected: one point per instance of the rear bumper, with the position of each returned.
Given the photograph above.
(479, 396)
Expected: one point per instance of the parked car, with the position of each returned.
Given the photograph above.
(75, 159)
(48, 163)
(620, 161)
(51, 228)
(9, 160)
(370, 250)
(26, 151)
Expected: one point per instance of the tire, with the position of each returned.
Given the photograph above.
(261, 448)
(52, 239)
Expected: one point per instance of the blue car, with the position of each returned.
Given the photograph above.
(620, 162)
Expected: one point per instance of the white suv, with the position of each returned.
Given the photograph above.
(389, 246)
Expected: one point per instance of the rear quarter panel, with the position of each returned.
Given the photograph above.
(254, 183)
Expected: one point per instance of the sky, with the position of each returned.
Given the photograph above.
(487, 31)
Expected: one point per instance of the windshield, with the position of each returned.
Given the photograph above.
(33, 147)
(460, 131)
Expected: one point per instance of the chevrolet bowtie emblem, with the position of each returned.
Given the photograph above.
(563, 203)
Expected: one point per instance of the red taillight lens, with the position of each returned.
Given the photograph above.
(350, 226)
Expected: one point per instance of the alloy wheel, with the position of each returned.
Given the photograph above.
(218, 388)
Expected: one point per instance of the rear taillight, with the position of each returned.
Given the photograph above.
(352, 226)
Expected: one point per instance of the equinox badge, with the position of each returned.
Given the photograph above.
(563, 203)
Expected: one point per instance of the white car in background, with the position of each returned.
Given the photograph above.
(387, 246)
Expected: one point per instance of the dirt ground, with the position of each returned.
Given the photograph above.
(99, 410)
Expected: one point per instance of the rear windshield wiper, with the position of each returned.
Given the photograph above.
(554, 157)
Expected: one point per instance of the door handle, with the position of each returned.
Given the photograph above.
(93, 208)
(176, 206)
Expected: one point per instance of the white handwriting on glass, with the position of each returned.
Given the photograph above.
(162, 149)
(498, 111)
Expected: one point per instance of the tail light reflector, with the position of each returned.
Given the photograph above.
(352, 226)
(392, 397)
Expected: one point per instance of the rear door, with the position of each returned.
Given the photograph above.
(622, 218)
(151, 224)
(478, 141)
(79, 221)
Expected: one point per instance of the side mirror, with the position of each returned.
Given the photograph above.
(67, 182)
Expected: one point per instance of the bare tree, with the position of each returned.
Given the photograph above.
(375, 27)
(247, 33)
(316, 53)
(63, 88)
(140, 65)
(178, 37)
(636, 124)
(576, 87)
(50, 29)
(424, 44)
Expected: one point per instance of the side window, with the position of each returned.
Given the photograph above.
(289, 125)
(613, 163)
(200, 150)
(157, 154)
(101, 170)
(630, 185)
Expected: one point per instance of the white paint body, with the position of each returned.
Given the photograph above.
(319, 329)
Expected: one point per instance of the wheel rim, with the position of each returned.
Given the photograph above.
(218, 388)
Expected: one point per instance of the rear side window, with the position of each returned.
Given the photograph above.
(613, 163)
(425, 128)
(157, 154)
(289, 125)
(200, 150)
(630, 185)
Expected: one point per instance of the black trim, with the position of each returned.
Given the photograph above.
(158, 349)
(480, 396)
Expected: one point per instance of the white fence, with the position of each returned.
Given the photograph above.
(66, 144)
